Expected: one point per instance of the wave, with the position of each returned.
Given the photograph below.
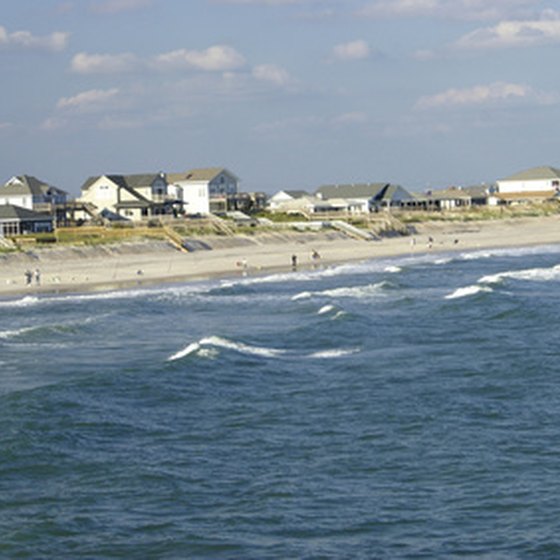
(468, 291)
(393, 269)
(205, 346)
(355, 292)
(334, 353)
(26, 301)
(531, 274)
(219, 342)
(326, 309)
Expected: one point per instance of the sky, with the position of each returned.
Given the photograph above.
(286, 94)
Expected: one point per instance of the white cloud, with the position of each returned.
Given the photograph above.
(56, 41)
(216, 58)
(88, 100)
(271, 74)
(84, 63)
(118, 6)
(512, 34)
(496, 93)
(470, 10)
(354, 50)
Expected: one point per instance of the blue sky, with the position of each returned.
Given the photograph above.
(284, 93)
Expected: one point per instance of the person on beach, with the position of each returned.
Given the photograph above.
(37, 277)
(315, 257)
(28, 277)
(294, 261)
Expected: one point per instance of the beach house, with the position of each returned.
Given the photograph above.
(133, 197)
(364, 197)
(29, 192)
(532, 185)
(17, 220)
(206, 190)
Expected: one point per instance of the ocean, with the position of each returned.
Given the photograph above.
(397, 408)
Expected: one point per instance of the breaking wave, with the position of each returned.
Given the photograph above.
(468, 291)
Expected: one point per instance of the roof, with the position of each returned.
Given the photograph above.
(206, 174)
(535, 174)
(12, 212)
(296, 193)
(127, 182)
(451, 193)
(359, 190)
(27, 184)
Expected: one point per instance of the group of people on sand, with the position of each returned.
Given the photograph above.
(30, 275)
(315, 258)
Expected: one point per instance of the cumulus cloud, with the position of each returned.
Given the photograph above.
(354, 50)
(87, 100)
(512, 34)
(271, 74)
(496, 93)
(118, 6)
(84, 63)
(216, 58)
(452, 9)
(56, 41)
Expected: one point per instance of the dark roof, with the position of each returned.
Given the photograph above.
(359, 190)
(296, 193)
(12, 212)
(127, 182)
(27, 184)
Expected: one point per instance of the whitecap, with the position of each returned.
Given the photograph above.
(301, 295)
(531, 274)
(393, 269)
(219, 342)
(26, 301)
(334, 353)
(325, 309)
(468, 291)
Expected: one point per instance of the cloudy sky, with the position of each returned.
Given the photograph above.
(284, 93)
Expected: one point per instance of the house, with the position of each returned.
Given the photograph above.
(133, 197)
(209, 190)
(277, 200)
(16, 220)
(535, 184)
(29, 192)
(365, 197)
(445, 199)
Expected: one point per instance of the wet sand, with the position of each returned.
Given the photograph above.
(83, 269)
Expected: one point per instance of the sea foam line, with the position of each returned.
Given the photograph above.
(219, 342)
(532, 274)
(469, 291)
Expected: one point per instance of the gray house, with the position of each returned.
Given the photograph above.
(16, 220)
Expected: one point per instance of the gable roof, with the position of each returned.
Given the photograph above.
(127, 182)
(27, 184)
(535, 174)
(358, 190)
(206, 174)
(12, 212)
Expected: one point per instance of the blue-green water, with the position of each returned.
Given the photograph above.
(392, 409)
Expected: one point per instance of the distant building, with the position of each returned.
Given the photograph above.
(280, 198)
(208, 190)
(365, 197)
(535, 184)
(16, 220)
(29, 192)
(133, 197)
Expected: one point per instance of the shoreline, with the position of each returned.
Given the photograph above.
(83, 269)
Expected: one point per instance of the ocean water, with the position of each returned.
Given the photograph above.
(403, 408)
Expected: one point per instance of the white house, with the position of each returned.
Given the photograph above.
(205, 191)
(29, 192)
(279, 199)
(538, 182)
(130, 196)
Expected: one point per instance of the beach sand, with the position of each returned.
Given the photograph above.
(83, 269)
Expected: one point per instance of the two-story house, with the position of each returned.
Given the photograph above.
(209, 190)
(133, 197)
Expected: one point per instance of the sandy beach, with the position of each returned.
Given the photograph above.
(79, 269)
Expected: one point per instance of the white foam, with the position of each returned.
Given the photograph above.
(468, 291)
(531, 274)
(334, 353)
(301, 295)
(325, 309)
(219, 342)
(393, 269)
(26, 301)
